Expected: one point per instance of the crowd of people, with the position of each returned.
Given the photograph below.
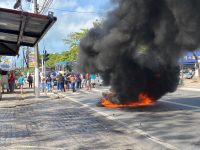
(9, 81)
(68, 81)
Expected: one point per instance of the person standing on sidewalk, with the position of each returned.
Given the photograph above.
(30, 81)
(83, 84)
(11, 82)
(5, 81)
(58, 78)
(62, 83)
(78, 81)
(88, 81)
(48, 81)
(73, 81)
(21, 83)
(68, 82)
(92, 78)
(43, 82)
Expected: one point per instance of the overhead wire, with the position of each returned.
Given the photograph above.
(46, 6)
(48, 3)
(42, 7)
(74, 11)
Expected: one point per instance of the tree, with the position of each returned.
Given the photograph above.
(73, 39)
(53, 58)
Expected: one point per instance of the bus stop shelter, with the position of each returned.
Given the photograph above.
(18, 28)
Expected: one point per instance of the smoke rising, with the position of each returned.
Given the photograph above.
(137, 47)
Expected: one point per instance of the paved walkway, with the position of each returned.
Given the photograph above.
(16, 99)
(190, 84)
(47, 123)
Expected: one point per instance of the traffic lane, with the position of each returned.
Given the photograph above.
(184, 97)
(179, 100)
(176, 124)
(143, 139)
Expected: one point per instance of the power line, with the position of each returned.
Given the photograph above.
(74, 11)
(46, 6)
(43, 6)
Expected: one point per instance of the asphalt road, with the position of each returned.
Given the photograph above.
(73, 121)
(173, 122)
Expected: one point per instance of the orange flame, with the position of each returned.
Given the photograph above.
(144, 100)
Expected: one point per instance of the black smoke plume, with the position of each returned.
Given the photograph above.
(137, 47)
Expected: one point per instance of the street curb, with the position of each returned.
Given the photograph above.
(22, 100)
(188, 89)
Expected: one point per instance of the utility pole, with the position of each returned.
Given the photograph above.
(27, 59)
(23, 60)
(37, 84)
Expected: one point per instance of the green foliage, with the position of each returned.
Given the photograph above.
(73, 40)
(54, 58)
(30, 70)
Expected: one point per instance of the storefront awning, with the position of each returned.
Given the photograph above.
(18, 28)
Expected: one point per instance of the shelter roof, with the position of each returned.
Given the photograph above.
(18, 28)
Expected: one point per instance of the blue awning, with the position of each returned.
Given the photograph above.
(189, 57)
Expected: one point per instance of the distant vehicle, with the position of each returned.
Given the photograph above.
(189, 75)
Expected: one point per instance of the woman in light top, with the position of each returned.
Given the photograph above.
(21, 83)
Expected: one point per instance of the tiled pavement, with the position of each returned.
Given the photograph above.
(46, 123)
(190, 84)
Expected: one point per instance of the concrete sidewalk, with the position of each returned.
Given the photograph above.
(10, 100)
(190, 85)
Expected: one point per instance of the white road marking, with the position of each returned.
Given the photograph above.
(139, 131)
(185, 105)
(189, 89)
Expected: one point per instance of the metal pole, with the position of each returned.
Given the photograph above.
(45, 90)
(45, 68)
(37, 84)
(42, 65)
(182, 83)
(27, 59)
(23, 60)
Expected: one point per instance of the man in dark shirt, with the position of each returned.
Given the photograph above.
(30, 81)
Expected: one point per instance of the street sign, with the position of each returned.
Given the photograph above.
(31, 60)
